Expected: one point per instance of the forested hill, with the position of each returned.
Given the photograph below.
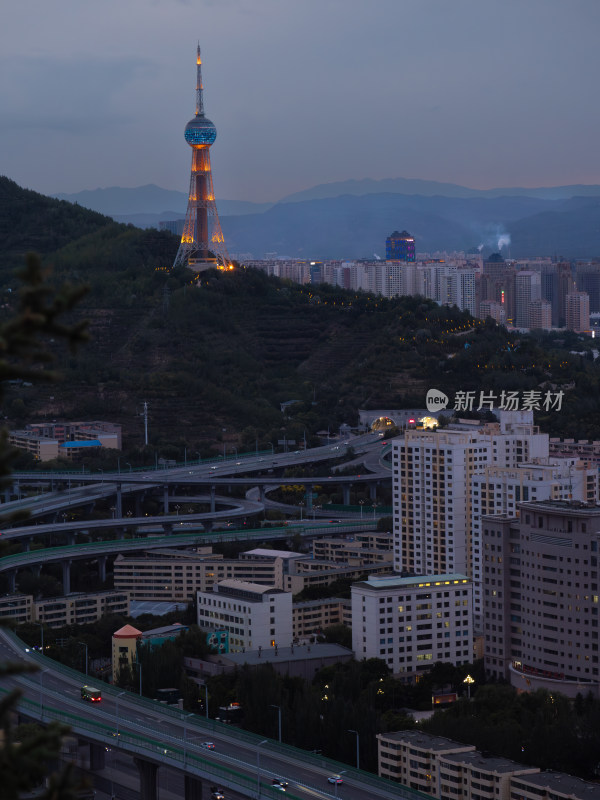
(33, 222)
(226, 352)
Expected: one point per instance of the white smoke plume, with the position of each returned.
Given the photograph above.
(503, 241)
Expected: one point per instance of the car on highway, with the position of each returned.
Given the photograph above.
(337, 779)
(279, 786)
(216, 793)
(208, 745)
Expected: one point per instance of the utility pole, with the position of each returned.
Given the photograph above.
(145, 422)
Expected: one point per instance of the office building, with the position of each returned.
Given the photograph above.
(400, 247)
(410, 623)
(499, 490)
(255, 616)
(541, 597)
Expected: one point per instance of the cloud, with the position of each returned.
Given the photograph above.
(66, 93)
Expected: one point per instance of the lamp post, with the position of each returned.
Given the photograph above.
(357, 747)
(258, 746)
(41, 625)
(102, 471)
(340, 773)
(86, 656)
(361, 503)
(469, 681)
(272, 705)
(185, 719)
(139, 666)
(206, 700)
(117, 713)
(42, 693)
(301, 504)
(127, 464)
(374, 507)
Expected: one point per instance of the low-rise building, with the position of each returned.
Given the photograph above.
(450, 770)
(311, 617)
(411, 623)
(254, 616)
(77, 608)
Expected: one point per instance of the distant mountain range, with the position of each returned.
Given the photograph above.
(351, 219)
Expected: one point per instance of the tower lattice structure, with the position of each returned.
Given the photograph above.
(202, 242)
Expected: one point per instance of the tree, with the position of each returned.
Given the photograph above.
(27, 752)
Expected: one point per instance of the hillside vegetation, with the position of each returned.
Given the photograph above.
(215, 359)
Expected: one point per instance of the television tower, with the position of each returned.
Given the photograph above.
(202, 242)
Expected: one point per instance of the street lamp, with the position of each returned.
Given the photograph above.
(301, 504)
(469, 681)
(185, 719)
(206, 699)
(41, 625)
(264, 741)
(139, 666)
(86, 656)
(272, 705)
(42, 693)
(357, 747)
(361, 503)
(102, 471)
(374, 507)
(340, 773)
(117, 712)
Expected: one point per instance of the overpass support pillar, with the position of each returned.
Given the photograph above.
(26, 545)
(309, 496)
(138, 504)
(192, 788)
(36, 569)
(7, 494)
(168, 528)
(346, 494)
(119, 503)
(71, 538)
(147, 772)
(102, 568)
(373, 491)
(97, 759)
(261, 493)
(208, 525)
(12, 580)
(213, 492)
(166, 499)
(121, 534)
(66, 576)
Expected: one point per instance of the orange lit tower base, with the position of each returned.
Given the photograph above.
(202, 242)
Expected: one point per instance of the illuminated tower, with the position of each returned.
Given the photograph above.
(202, 242)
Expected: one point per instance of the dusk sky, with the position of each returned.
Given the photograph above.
(484, 93)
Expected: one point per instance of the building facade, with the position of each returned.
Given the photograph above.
(411, 623)
(541, 596)
(255, 616)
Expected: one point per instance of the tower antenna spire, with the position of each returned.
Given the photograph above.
(199, 87)
(202, 242)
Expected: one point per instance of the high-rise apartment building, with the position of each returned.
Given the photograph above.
(541, 597)
(528, 288)
(432, 477)
(499, 490)
(587, 279)
(540, 315)
(577, 312)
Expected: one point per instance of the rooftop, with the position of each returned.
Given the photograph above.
(297, 653)
(386, 582)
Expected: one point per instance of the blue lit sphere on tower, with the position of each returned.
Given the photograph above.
(200, 131)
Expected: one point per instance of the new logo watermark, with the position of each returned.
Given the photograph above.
(530, 400)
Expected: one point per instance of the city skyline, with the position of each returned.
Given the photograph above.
(481, 95)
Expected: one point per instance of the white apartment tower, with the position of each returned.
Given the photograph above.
(433, 476)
